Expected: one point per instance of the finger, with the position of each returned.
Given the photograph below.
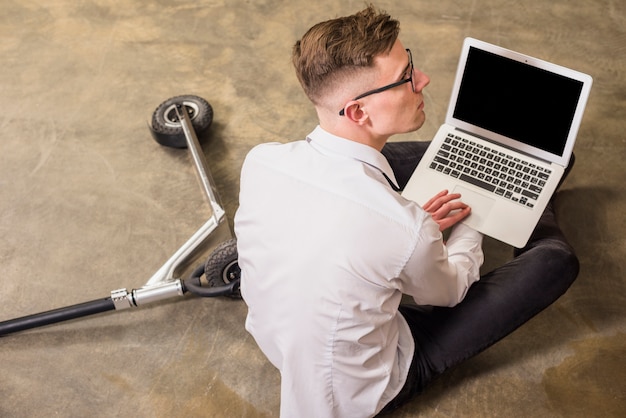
(439, 203)
(442, 200)
(433, 199)
(452, 220)
(447, 208)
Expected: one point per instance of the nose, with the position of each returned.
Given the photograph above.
(420, 79)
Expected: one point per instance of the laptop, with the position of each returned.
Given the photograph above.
(508, 136)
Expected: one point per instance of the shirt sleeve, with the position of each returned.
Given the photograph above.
(440, 274)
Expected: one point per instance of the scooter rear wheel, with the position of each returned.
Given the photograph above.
(222, 267)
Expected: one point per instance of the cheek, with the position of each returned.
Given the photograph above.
(409, 113)
(397, 114)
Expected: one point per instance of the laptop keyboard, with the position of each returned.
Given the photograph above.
(505, 175)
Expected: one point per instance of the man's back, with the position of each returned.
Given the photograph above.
(322, 240)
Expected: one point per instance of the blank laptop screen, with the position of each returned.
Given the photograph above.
(516, 100)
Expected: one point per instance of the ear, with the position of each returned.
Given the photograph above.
(354, 112)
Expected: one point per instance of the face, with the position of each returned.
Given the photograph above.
(399, 109)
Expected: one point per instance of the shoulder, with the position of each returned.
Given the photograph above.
(273, 153)
(272, 148)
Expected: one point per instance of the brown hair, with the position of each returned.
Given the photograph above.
(332, 51)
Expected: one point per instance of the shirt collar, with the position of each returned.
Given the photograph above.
(330, 144)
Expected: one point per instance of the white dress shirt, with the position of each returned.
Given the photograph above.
(327, 248)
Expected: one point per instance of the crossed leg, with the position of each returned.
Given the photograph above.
(495, 306)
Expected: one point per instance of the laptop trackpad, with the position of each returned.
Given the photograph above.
(480, 204)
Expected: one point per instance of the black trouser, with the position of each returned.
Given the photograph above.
(495, 306)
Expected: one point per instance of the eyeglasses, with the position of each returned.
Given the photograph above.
(389, 86)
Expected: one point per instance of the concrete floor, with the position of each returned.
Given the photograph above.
(90, 203)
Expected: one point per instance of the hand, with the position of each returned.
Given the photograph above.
(446, 209)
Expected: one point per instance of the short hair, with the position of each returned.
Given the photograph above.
(333, 51)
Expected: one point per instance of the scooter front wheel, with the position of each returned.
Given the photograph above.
(167, 129)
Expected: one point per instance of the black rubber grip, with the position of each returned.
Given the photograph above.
(56, 315)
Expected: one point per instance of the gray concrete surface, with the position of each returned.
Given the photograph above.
(90, 203)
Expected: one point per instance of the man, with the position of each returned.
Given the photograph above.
(327, 246)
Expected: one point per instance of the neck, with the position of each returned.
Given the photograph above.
(353, 131)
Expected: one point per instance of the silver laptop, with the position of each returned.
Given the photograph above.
(508, 136)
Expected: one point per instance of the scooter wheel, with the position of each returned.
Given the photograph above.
(222, 267)
(167, 129)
